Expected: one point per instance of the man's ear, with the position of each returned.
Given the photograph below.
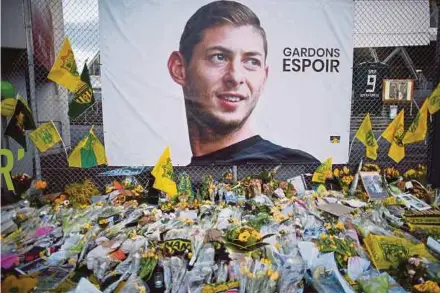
(176, 68)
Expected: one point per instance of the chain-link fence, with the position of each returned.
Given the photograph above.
(405, 53)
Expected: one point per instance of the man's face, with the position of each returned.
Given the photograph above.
(225, 77)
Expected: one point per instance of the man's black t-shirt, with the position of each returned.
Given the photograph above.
(255, 150)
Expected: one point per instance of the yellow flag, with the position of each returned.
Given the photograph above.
(366, 136)
(45, 136)
(323, 171)
(64, 71)
(163, 174)
(89, 152)
(434, 100)
(417, 131)
(394, 134)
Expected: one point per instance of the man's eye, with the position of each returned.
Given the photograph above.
(253, 63)
(218, 57)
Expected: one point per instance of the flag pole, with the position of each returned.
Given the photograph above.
(64, 148)
(351, 145)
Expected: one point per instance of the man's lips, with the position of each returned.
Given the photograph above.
(231, 97)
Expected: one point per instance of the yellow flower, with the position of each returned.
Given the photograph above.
(275, 276)
(277, 245)
(340, 226)
(328, 226)
(323, 236)
(346, 170)
(244, 236)
(269, 272)
(256, 235)
(190, 255)
(345, 258)
(352, 245)
(336, 172)
(72, 261)
(189, 222)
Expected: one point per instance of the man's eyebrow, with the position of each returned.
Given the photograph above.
(228, 51)
(219, 48)
(254, 53)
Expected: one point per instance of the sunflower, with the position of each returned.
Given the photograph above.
(244, 236)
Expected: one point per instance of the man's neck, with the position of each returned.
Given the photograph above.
(204, 142)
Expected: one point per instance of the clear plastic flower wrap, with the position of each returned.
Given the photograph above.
(366, 226)
(167, 278)
(135, 285)
(205, 256)
(222, 272)
(197, 242)
(326, 277)
(292, 272)
(196, 279)
(178, 271)
(182, 233)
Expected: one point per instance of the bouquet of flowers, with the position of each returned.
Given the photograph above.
(129, 184)
(371, 168)
(344, 178)
(391, 174)
(22, 182)
(244, 238)
(258, 276)
(419, 174)
(343, 248)
(81, 193)
(335, 229)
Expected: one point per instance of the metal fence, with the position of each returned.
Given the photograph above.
(79, 20)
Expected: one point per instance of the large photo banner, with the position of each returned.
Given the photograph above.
(226, 82)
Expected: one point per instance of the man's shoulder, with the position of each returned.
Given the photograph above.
(255, 150)
(286, 155)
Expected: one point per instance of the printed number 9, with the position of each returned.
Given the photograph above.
(371, 81)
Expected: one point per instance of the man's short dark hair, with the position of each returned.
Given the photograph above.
(211, 15)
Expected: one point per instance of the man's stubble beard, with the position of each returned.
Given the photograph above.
(208, 126)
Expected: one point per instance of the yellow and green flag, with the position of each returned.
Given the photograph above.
(45, 136)
(323, 171)
(163, 173)
(65, 73)
(394, 134)
(417, 131)
(83, 98)
(89, 152)
(434, 100)
(366, 136)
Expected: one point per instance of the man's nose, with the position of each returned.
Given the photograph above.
(235, 74)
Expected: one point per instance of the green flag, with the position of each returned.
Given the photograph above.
(21, 121)
(83, 98)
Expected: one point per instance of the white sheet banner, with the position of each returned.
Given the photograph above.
(226, 82)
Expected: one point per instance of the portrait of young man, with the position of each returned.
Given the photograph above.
(221, 67)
